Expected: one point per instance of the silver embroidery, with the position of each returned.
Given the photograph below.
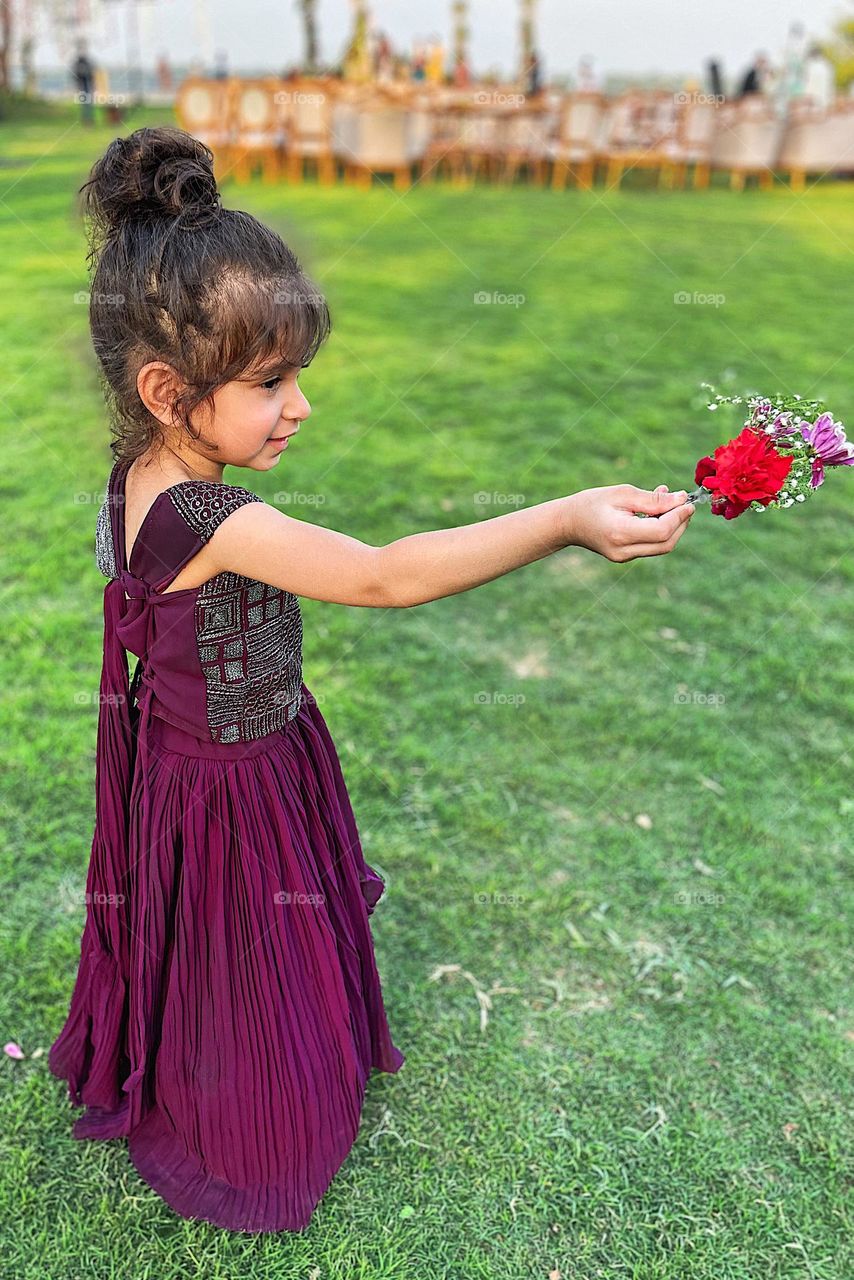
(105, 554)
(249, 633)
(204, 504)
(250, 649)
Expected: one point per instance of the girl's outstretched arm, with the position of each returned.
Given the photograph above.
(262, 542)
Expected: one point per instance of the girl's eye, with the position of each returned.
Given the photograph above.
(271, 384)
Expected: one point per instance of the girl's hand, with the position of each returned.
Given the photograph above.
(603, 520)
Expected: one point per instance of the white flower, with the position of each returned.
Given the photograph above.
(799, 497)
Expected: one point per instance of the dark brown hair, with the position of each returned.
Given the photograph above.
(213, 292)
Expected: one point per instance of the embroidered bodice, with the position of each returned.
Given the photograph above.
(222, 660)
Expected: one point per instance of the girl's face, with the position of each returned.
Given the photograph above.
(255, 415)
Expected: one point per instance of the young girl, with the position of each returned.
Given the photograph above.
(227, 1010)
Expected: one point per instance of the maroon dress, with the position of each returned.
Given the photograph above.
(227, 1009)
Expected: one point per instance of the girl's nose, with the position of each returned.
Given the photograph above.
(297, 407)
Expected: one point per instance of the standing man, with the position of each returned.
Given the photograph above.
(83, 73)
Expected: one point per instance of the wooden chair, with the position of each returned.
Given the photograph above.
(574, 149)
(638, 133)
(747, 141)
(525, 142)
(379, 134)
(259, 128)
(694, 138)
(204, 109)
(308, 105)
(817, 142)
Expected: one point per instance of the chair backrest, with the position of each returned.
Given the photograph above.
(383, 138)
(524, 130)
(203, 105)
(748, 136)
(697, 124)
(580, 118)
(256, 106)
(307, 104)
(818, 141)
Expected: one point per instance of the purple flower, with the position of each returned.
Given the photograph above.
(828, 439)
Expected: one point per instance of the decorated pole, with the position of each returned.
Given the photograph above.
(459, 10)
(527, 10)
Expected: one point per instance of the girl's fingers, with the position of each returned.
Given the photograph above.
(642, 532)
(662, 546)
(652, 503)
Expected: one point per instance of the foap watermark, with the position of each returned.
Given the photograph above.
(298, 97)
(285, 898)
(73, 894)
(685, 299)
(291, 498)
(497, 98)
(90, 697)
(697, 698)
(497, 698)
(83, 299)
(685, 98)
(495, 298)
(498, 899)
(485, 499)
(287, 297)
(97, 99)
(699, 898)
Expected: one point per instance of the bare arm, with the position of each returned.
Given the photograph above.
(321, 564)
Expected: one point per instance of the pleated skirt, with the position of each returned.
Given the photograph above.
(250, 980)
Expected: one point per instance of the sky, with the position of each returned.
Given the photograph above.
(634, 36)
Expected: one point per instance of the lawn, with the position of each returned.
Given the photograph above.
(614, 798)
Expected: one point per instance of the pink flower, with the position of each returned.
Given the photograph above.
(828, 439)
(14, 1050)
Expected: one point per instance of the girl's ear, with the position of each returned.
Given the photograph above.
(159, 385)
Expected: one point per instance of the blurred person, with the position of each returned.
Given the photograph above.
(419, 63)
(435, 68)
(793, 63)
(165, 79)
(462, 74)
(819, 78)
(756, 78)
(587, 79)
(533, 75)
(221, 65)
(83, 74)
(715, 79)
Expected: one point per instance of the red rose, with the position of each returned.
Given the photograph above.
(705, 467)
(744, 470)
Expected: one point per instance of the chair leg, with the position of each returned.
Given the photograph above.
(701, 176)
(293, 167)
(766, 179)
(585, 175)
(560, 171)
(615, 173)
(798, 180)
(325, 170)
(402, 178)
(736, 180)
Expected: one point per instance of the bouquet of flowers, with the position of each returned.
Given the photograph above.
(777, 459)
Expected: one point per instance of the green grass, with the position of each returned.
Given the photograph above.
(662, 1089)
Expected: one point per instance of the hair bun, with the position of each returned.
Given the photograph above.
(153, 173)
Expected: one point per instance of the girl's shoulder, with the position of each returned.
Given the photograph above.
(204, 504)
(183, 516)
